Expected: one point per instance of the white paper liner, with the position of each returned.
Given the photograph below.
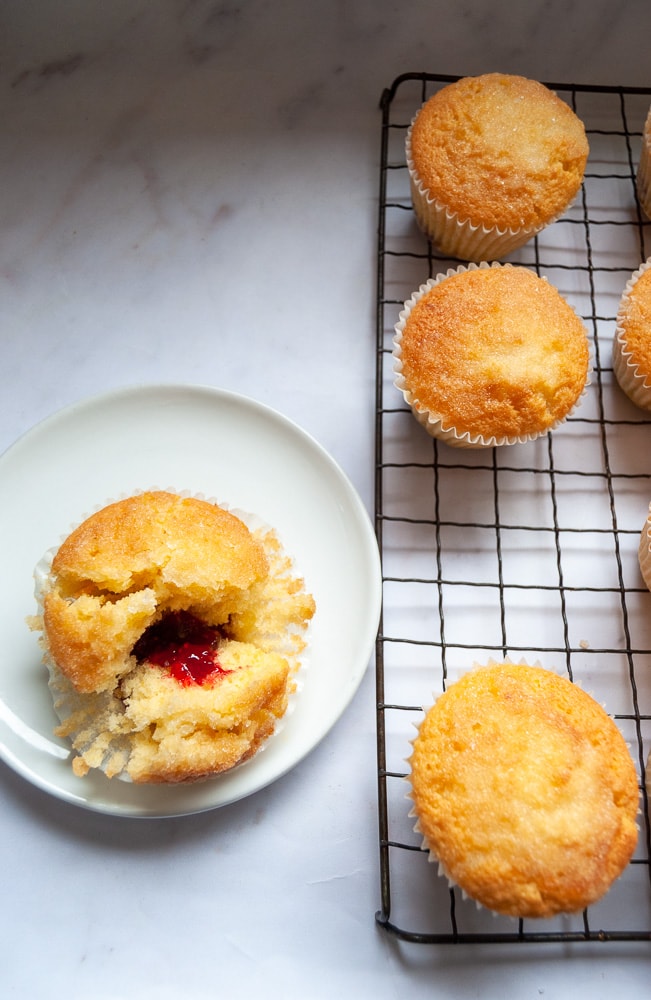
(67, 700)
(644, 551)
(435, 426)
(643, 178)
(432, 856)
(457, 237)
(632, 380)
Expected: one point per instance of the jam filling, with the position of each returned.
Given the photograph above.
(184, 645)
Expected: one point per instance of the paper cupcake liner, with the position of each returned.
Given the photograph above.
(643, 182)
(435, 426)
(110, 752)
(457, 237)
(643, 178)
(644, 551)
(634, 382)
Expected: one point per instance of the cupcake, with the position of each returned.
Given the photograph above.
(492, 160)
(643, 179)
(489, 355)
(172, 634)
(632, 341)
(524, 791)
(644, 550)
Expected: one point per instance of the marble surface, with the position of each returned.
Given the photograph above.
(188, 193)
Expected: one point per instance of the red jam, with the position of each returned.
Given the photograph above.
(184, 645)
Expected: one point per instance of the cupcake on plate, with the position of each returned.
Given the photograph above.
(490, 355)
(492, 160)
(172, 635)
(632, 341)
(524, 791)
(643, 179)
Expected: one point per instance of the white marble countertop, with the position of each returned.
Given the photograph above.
(188, 193)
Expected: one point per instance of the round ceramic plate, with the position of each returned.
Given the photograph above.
(221, 445)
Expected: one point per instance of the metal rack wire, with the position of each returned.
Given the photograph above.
(528, 552)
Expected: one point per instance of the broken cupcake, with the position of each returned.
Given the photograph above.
(173, 635)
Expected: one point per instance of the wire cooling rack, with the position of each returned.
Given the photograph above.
(528, 551)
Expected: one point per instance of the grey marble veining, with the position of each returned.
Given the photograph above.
(188, 193)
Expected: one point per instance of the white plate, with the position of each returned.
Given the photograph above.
(222, 445)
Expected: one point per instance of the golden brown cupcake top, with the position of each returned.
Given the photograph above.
(494, 351)
(634, 323)
(499, 150)
(525, 791)
(133, 560)
(160, 539)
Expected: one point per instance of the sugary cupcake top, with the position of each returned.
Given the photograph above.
(499, 150)
(160, 539)
(634, 323)
(525, 791)
(494, 351)
(123, 566)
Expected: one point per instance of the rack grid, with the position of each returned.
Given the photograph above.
(527, 552)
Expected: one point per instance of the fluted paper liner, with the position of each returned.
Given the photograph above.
(644, 552)
(632, 380)
(643, 179)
